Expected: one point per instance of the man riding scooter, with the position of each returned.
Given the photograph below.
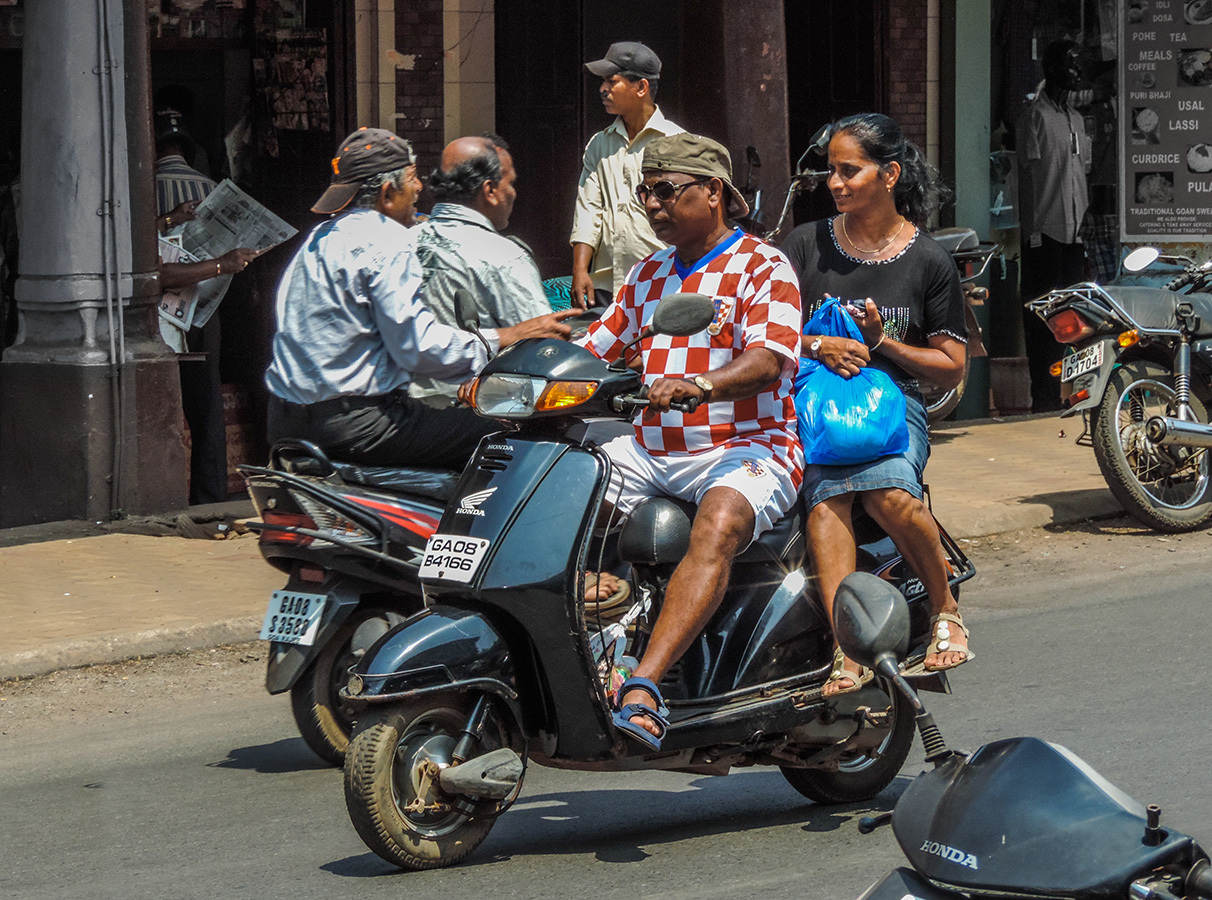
(736, 456)
(352, 332)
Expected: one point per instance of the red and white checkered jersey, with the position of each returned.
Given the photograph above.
(757, 303)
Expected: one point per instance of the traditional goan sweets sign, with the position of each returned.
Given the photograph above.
(1166, 120)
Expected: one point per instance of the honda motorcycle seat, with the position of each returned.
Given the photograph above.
(436, 484)
(1152, 309)
(658, 533)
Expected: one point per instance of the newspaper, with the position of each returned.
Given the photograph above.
(177, 306)
(228, 218)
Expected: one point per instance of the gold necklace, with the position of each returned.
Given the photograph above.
(881, 247)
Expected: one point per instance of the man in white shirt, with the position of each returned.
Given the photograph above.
(610, 232)
(461, 248)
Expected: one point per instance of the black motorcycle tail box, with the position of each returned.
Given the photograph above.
(1025, 817)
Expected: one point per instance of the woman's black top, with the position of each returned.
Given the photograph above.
(917, 291)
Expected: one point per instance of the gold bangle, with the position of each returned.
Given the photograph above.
(168, 221)
(876, 345)
(219, 271)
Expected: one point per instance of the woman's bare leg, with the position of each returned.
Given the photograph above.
(831, 543)
(912, 528)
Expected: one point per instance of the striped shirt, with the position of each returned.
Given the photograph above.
(757, 305)
(177, 182)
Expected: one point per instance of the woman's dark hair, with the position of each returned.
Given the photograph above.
(920, 190)
(463, 182)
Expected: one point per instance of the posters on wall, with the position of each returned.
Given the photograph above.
(1166, 126)
(292, 76)
(209, 19)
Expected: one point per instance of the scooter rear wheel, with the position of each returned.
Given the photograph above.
(324, 722)
(399, 811)
(861, 776)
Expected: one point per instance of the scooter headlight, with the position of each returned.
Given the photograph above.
(518, 396)
(508, 396)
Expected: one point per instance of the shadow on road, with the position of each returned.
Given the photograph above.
(279, 758)
(616, 826)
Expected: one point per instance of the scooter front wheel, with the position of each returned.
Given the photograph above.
(863, 774)
(392, 792)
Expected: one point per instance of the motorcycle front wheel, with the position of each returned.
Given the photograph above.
(863, 774)
(324, 722)
(396, 806)
(1166, 488)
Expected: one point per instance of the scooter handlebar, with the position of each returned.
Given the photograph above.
(1199, 881)
(640, 401)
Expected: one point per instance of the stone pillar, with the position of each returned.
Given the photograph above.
(89, 392)
(735, 88)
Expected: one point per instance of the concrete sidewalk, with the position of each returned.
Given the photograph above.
(71, 595)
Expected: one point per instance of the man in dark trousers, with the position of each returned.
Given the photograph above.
(179, 189)
(1053, 157)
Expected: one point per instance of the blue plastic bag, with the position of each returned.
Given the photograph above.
(844, 421)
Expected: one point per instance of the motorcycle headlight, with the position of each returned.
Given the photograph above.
(518, 396)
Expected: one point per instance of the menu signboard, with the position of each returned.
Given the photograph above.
(1166, 120)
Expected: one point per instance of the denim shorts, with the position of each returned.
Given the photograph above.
(902, 470)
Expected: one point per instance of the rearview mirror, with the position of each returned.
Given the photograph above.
(871, 620)
(467, 311)
(1141, 258)
(683, 314)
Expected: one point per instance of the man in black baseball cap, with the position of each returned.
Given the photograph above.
(610, 232)
(353, 332)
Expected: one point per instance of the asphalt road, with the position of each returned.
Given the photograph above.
(1095, 640)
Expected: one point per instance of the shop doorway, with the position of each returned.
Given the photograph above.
(835, 52)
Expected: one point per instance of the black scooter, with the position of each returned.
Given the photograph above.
(504, 667)
(1018, 818)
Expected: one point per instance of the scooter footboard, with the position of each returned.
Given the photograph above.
(440, 649)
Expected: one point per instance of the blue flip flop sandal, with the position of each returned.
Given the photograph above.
(622, 717)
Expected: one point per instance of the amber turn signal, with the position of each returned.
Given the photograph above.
(1128, 338)
(563, 394)
(1055, 369)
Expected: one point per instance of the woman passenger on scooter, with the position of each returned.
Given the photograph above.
(884, 190)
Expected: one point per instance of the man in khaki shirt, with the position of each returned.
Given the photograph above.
(610, 232)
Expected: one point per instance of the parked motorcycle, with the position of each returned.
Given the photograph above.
(350, 538)
(505, 666)
(971, 256)
(1019, 817)
(1140, 363)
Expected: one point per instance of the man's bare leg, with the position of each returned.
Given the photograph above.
(723, 526)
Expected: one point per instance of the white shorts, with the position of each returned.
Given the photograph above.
(749, 470)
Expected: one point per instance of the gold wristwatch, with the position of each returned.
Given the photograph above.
(704, 385)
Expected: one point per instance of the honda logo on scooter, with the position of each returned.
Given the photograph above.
(949, 853)
(470, 505)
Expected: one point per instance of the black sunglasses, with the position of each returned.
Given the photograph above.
(665, 191)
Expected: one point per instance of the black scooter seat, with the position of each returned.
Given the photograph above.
(436, 484)
(1152, 309)
(658, 533)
